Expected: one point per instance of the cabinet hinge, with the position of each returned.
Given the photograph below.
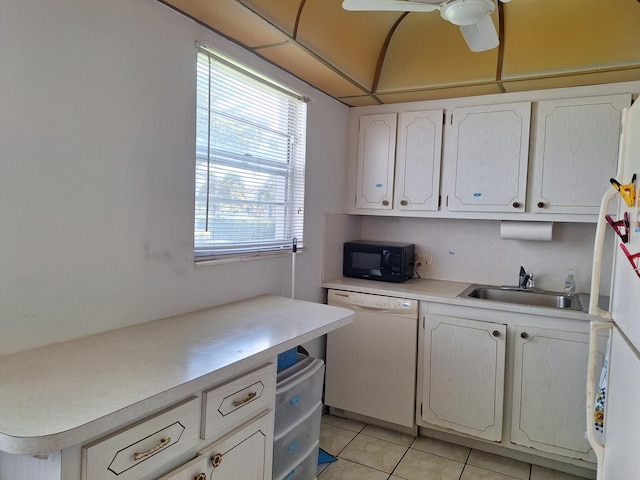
(421, 410)
(439, 201)
(444, 118)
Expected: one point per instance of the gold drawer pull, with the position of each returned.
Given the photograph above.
(163, 443)
(201, 476)
(251, 396)
(216, 460)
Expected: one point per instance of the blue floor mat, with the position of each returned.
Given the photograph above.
(324, 457)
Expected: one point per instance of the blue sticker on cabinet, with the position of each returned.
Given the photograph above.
(379, 185)
(477, 194)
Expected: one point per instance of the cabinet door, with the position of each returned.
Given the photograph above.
(417, 180)
(550, 374)
(376, 161)
(463, 384)
(197, 469)
(487, 156)
(245, 454)
(576, 152)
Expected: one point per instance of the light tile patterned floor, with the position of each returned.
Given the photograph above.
(367, 452)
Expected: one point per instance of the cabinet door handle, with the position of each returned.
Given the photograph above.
(249, 397)
(201, 476)
(216, 460)
(540, 204)
(385, 202)
(404, 203)
(163, 443)
(496, 333)
(516, 204)
(524, 335)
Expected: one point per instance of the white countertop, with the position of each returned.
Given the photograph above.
(64, 394)
(442, 291)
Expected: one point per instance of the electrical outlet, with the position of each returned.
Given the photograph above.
(423, 263)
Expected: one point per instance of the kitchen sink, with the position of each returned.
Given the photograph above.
(534, 298)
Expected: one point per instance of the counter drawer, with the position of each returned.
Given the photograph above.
(145, 447)
(232, 403)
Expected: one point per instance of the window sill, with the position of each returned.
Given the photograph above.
(244, 258)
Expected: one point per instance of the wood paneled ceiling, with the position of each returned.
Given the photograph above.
(368, 58)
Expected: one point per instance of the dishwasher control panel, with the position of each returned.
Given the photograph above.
(375, 301)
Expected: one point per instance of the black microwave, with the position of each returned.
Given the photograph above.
(388, 262)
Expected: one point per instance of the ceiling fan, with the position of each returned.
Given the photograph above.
(473, 16)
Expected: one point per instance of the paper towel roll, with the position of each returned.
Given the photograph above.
(540, 231)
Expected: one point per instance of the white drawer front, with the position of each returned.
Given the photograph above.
(228, 405)
(144, 447)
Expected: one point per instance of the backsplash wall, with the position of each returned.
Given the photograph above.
(472, 250)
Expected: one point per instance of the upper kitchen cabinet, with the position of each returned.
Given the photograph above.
(576, 153)
(539, 156)
(417, 182)
(486, 158)
(376, 160)
(402, 175)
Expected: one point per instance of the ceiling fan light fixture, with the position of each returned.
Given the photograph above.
(466, 12)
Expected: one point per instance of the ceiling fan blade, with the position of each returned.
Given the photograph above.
(481, 36)
(389, 5)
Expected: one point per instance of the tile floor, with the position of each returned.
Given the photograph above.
(368, 452)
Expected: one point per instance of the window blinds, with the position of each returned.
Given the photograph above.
(250, 162)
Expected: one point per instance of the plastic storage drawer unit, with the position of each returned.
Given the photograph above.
(298, 390)
(307, 469)
(291, 446)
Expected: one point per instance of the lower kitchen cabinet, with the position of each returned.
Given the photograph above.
(549, 378)
(197, 469)
(511, 380)
(463, 381)
(243, 454)
(204, 405)
(235, 421)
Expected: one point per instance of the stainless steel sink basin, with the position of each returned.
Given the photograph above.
(534, 298)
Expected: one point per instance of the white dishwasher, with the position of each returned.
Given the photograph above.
(371, 363)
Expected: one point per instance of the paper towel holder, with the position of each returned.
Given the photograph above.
(526, 230)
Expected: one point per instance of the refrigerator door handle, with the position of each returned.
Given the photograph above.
(601, 227)
(598, 448)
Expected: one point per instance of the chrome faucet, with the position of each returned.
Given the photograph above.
(526, 281)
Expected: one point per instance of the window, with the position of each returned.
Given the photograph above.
(250, 161)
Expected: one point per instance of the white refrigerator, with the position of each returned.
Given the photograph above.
(615, 392)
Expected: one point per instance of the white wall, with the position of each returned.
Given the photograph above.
(97, 172)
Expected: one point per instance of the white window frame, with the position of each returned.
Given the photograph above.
(264, 156)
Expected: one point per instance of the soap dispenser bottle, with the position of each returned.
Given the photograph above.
(570, 283)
